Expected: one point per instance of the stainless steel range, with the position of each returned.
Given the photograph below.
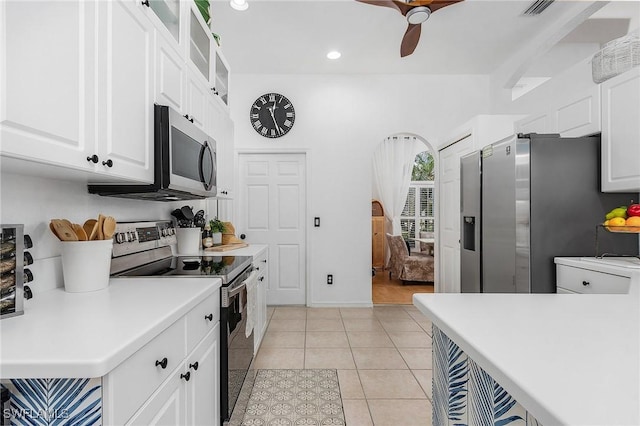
(143, 249)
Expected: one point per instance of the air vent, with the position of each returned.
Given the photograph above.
(537, 7)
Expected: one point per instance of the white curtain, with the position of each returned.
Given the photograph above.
(392, 167)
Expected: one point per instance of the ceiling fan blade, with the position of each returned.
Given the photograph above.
(386, 3)
(437, 4)
(410, 39)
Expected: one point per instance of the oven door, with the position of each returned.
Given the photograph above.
(192, 157)
(236, 349)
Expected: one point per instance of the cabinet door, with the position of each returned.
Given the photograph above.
(579, 117)
(621, 133)
(203, 398)
(223, 132)
(539, 123)
(125, 87)
(196, 99)
(167, 406)
(170, 75)
(47, 75)
(220, 75)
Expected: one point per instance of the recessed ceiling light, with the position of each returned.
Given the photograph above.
(239, 4)
(334, 54)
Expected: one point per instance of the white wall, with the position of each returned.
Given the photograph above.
(340, 119)
(34, 201)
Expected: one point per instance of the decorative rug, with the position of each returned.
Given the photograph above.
(295, 398)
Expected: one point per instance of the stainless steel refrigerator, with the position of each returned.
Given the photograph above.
(527, 199)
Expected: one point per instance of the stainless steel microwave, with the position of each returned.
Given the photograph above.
(185, 162)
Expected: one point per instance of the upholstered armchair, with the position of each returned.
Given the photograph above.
(405, 267)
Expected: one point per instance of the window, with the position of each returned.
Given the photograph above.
(417, 214)
(418, 211)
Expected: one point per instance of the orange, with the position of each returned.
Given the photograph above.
(633, 224)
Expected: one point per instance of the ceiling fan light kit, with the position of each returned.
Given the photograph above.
(418, 15)
(416, 12)
(239, 4)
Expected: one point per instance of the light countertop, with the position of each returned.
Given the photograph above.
(568, 359)
(84, 335)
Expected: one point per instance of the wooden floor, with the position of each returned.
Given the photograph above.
(393, 292)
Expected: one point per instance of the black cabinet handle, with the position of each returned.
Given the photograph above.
(586, 283)
(261, 279)
(108, 163)
(162, 363)
(146, 3)
(93, 159)
(224, 192)
(257, 268)
(194, 365)
(264, 260)
(209, 317)
(186, 376)
(188, 118)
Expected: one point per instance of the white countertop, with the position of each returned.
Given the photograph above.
(568, 359)
(84, 335)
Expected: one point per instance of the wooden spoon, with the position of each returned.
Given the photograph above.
(100, 224)
(53, 230)
(89, 226)
(82, 236)
(108, 227)
(64, 232)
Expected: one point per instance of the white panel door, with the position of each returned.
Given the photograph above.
(449, 219)
(272, 204)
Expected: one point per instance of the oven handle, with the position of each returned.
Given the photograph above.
(237, 289)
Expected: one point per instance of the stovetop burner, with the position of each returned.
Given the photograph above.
(224, 267)
(142, 249)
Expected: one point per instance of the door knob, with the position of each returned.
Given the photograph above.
(242, 236)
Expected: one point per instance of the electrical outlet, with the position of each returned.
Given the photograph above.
(330, 279)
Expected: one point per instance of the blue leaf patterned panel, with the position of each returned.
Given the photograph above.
(465, 394)
(49, 402)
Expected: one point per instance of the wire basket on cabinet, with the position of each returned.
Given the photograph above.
(616, 57)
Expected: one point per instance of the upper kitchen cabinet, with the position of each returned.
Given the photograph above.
(125, 90)
(621, 132)
(220, 127)
(48, 77)
(573, 117)
(221, 76)
(77, 88)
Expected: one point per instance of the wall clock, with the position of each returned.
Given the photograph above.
(272, 115)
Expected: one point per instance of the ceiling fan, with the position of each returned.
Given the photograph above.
(416, 12)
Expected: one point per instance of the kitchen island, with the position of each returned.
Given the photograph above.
(550, 359)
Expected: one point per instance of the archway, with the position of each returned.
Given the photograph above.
(411, 214)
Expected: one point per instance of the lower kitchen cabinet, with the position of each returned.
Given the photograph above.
(174, 379)
(260, 263)
(597, 276)
(190, 395)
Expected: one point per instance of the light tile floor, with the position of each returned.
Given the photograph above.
(382, 354)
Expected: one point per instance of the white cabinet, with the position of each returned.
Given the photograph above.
(125, 91)
(170, 75)
(174, 379)
(574, 117)
(47, 93)
(220, 127)
(261, 264)
(621, 132)
(91, 108)
(576, 275)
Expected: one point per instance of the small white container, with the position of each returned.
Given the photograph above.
(189, 240)
(86, 265)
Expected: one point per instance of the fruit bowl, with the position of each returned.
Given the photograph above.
(623, 229)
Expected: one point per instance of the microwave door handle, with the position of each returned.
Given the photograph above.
(207, 183)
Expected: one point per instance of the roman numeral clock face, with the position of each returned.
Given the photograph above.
(272, 115)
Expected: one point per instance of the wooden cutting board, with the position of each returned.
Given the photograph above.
(227, 247)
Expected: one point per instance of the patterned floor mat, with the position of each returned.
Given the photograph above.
(295, 398)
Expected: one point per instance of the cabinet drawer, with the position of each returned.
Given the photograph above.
(591, 282)
(202, 319)
(133, 381)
